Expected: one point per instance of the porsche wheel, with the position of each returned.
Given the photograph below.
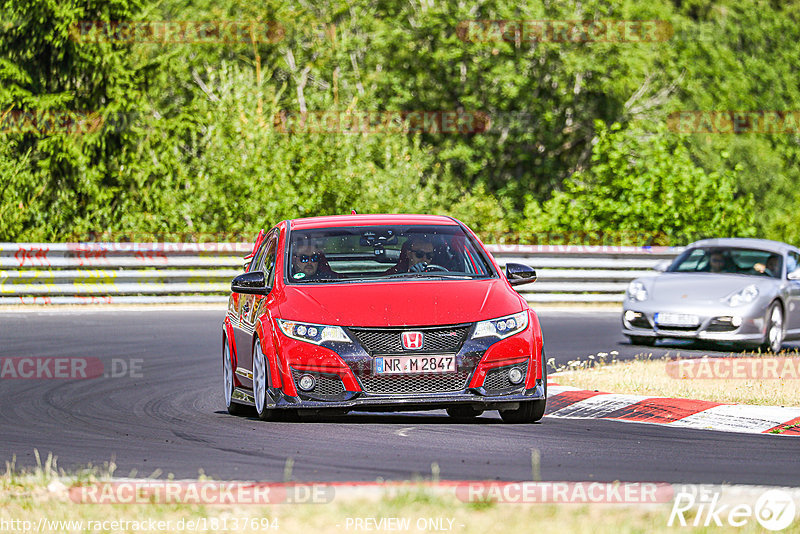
(773, 337)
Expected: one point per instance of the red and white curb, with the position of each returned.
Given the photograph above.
(574, 403)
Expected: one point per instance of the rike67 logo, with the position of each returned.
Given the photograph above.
(701, 506)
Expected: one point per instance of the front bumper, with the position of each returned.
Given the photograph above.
(359, 400)
(715, 323)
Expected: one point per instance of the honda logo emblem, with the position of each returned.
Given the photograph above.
(412, 340)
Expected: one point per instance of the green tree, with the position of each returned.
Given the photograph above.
(644, 184)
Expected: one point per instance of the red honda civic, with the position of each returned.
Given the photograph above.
(381, 313)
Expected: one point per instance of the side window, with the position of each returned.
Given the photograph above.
(268, 265)
(693, 261)
(255, 264)
(792, 261)
(258, 259)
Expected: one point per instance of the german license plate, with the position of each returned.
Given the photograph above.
(676, 319)
(402, 365)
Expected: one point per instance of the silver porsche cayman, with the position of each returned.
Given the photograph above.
(745, 291)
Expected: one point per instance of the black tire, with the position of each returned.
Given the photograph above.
(642, 340)
(774, 333)
(463, 412)
(261, 382)
(234, 408)
(530, 411)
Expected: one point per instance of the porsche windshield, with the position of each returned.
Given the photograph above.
(390, 252)
(726, 260)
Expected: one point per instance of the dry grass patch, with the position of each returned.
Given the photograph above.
(646, 375)
(414, 510)
(41, 498)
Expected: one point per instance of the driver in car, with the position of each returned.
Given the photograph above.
(772, 267)
(415, 255)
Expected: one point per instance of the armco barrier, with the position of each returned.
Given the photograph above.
(75, 273)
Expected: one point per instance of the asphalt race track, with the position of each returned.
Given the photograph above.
(169, 417)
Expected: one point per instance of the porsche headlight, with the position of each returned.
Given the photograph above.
(313, 333)
(502, 327)
(637, 291)
(743, 296)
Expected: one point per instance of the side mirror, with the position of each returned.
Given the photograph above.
(252, 283)
(519, 274)
(794, 275)
(662, 266)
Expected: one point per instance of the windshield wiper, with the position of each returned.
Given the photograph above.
(430, 274)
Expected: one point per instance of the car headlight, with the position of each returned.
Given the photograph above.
(637, 291)
(313, 333)
(502, 327)
(743, 296)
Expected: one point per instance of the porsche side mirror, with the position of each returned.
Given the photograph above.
(252, 283)
(794, 275)
(662, 266)
(519, 274)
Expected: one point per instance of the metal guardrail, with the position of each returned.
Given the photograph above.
(77, 273)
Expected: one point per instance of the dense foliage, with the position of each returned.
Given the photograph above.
(105, 133)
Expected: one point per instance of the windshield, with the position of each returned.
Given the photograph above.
(391, 252)
(729, 260)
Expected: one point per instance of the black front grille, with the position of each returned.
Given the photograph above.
(641, 322)
(496, 380)
(678, 328)
(717, 325)
(435, 339)
(410, 384)
(327, 387)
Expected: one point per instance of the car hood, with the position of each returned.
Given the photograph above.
(700, 287)
(415, 303)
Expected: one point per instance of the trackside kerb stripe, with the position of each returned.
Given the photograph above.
(562, 400)
(597, 406)
(661, 410)
(740, 418)
(789, 428)
(573, 403)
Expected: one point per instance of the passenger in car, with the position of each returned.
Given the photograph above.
(717, 263)
(309, 262)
